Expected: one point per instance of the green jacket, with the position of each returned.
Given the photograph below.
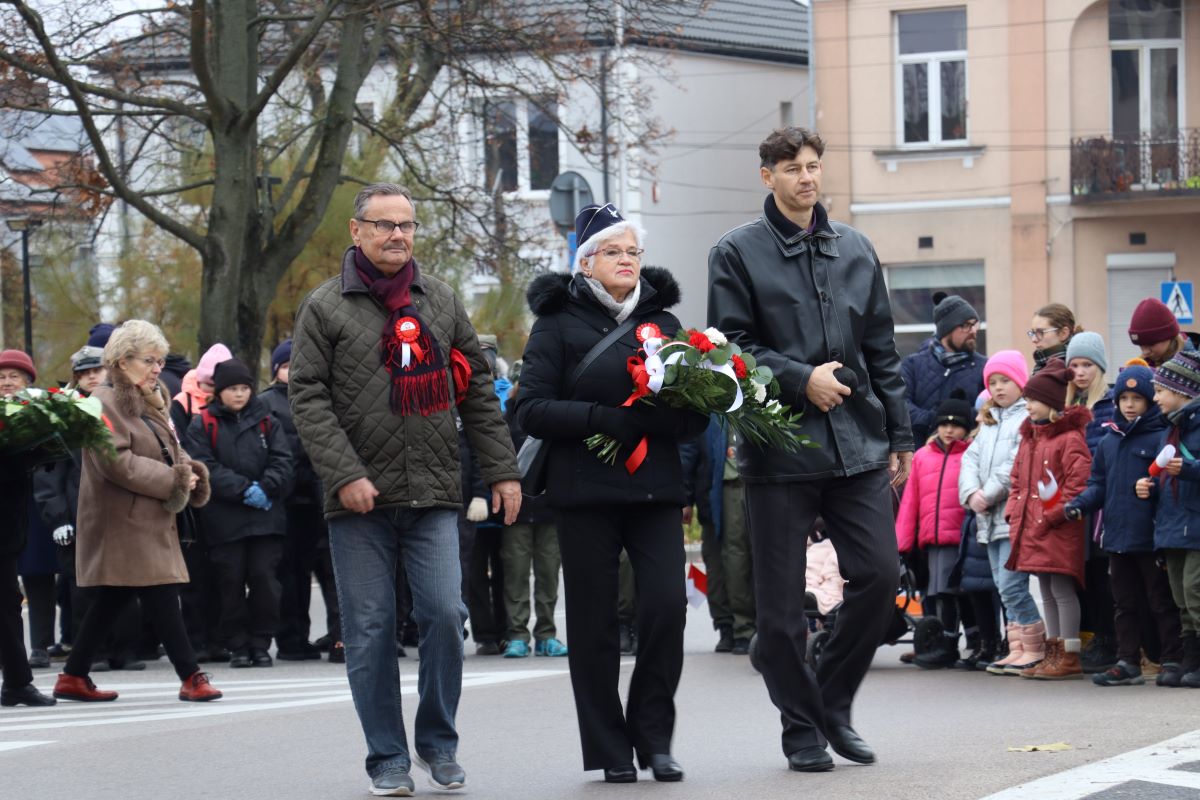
(339, 392)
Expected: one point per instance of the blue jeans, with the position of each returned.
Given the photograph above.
(1018, 603)
(365, 550)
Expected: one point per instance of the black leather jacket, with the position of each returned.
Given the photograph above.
(796, 300)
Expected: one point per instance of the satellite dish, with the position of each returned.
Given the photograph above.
(568, 194)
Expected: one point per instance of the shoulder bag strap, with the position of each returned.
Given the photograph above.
(166, 454)
(600, 346)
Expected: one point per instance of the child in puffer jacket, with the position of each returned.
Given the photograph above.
(1045, 542)
(930, 510)
(983, 486)
(1177, 522)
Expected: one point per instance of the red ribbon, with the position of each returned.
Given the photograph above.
(641, 380)
(637, 456)
(407, 331)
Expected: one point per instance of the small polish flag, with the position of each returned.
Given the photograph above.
(1160, 463)
(1049, 492)
(697, 586)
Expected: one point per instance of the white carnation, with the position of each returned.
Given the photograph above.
(760, 393)
(716, 337)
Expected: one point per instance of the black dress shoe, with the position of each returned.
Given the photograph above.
(25, 696)
(260, 657)
(848, 744)
(724, 640)
(810, 759)
(241, 659)
(622, 773)
(665, 768)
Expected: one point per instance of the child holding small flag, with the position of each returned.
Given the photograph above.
(1053, 463)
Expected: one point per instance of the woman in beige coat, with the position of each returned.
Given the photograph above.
(127, 545)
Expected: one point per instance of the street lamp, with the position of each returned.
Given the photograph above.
(25, 226)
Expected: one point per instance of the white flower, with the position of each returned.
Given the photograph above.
(716, 337)
(774, 407)
(760, 393)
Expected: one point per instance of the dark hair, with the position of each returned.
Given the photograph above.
(784, 144)
(1060, 317)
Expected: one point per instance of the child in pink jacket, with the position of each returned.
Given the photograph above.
(931, 518)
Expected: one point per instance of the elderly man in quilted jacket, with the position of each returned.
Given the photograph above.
(381, 354)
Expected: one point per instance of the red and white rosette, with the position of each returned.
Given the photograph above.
(408, 330)
(647, 331)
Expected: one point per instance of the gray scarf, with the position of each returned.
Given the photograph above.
(620, 311)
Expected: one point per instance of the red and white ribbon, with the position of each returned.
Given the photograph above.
(408, 330)
(1049, 492)
(1160, 462)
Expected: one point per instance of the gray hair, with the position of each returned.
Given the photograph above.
(380, 190)
(132, 338)
(592, 245)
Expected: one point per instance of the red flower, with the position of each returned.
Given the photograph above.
(53, 390)
(699, 341)
(739, 367)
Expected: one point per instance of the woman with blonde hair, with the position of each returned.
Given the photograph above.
(127, 545)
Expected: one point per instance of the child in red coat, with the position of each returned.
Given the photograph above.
(931, 512)
(1054, 453)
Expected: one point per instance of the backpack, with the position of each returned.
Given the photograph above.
(210, 424)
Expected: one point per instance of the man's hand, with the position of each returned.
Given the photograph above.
(977, 502)
(898, 466)
(1174, 466)
(507, 493)
(1142, 488)
(825, 391)
(687, 515)
(358, 496)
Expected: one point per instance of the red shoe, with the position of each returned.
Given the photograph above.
(71, 687)
(197, 689)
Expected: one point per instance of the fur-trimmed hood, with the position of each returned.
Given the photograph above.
(1074, 418)
(549, 294)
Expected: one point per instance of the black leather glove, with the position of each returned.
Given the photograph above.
(618, 423)
(655, 418)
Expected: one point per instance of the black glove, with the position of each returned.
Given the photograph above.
(618, 423)
(655, 418)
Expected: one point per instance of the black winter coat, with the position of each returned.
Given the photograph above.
(56, 491)
(534, 510)
(244, 454)
(569, 322)
(927, 382)
(796, 300)
(306, 486)
(14, 504)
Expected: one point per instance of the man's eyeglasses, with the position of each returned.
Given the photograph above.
(614, 253)
(967, 327)
(1038, 333)
(386, 226)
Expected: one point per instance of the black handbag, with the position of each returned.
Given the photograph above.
(533, 457)
(186, 524)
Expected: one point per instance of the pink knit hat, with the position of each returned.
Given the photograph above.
(1010, 364)
(208, 362)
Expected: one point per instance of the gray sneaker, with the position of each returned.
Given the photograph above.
(393, 783)
(444, 773)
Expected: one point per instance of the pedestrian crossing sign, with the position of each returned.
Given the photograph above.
(1177, 295)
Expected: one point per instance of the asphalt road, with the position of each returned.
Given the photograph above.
(291, 731)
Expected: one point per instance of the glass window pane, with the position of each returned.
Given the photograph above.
(954, 100)
(1164, 90)
(500, 128)
(916, 102)
(1126, 117)
(543, 144)
(911, 292)
(1144, 19)
(933, 31)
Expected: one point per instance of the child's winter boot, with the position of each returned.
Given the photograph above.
(1014, 650)
(1033, 648)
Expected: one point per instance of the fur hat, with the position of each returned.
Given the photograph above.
(1181, 374)
(1152, 322)
(87, 357)
(1049, 386)
(1136, 379)
(950, 311)
(1009, 363)
(231, 372)
(281, 355)
(956, 410)
(1089, 345)
(18, 359)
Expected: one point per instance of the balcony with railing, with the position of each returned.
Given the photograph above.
(1138, 166)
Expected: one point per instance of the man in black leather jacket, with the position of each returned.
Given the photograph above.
(806, 296)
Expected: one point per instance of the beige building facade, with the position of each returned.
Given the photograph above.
(1018, 152)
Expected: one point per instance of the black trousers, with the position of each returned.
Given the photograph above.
(305, 527)
(1096, 598)
(591, 540)
(483, 582)
(199, 597)
(1136, 580)
(160, 606)
(12, 628)
(985, 611)
(248, 619)
(39, 595)
(858, 521)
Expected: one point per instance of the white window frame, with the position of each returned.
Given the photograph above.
(521, 112)
(1143, 48)
(933, 76)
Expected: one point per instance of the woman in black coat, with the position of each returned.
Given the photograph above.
(601, 508)
(250, 471)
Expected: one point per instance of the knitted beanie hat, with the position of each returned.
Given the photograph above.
(950, 311)
(232, 372)
(208, 362)
(956, 410)
(1088, 345)
(1152, 322)
(99, 333)
(1181, 374)
(1049, 386)
(1009, 363)
(1136, 379)
(281, 355)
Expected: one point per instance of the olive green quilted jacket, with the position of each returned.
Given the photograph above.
(339, 393)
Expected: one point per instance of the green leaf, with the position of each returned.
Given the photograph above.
(750, 362)
(718, 357)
